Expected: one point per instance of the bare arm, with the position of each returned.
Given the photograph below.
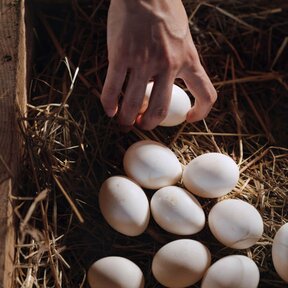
(150, 39)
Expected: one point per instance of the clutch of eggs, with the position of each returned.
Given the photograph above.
(124, 205)
(178, 108)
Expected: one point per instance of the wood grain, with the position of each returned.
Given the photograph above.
(12, 97)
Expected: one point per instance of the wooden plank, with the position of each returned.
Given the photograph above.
(12, 97)
(7, 235)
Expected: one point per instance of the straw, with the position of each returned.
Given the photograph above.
(71, 147)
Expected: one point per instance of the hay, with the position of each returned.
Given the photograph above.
(71, 146)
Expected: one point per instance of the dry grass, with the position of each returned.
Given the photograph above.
(71, 146)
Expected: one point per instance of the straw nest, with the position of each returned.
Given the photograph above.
(71, 146)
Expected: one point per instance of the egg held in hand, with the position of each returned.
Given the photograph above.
(211, 175)
(124, 205)
(152, 165)
(178, 108)
(115, 272)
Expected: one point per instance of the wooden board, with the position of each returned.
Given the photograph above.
(12, 99)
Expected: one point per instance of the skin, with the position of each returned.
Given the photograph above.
(150, 39)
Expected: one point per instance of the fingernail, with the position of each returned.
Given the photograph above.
(139, 120)
(110, 112)
(190, 116)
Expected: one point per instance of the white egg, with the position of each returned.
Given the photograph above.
(115, 272)
(235, 223)
(211, 175)
(177, 211)
(179, 105)
(280, 252)
(152, 165)
(181, 263)
(124, 205)
(235, 271)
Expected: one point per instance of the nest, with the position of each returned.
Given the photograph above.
(71, 147)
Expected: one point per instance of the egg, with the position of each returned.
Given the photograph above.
(124, 205)
(280, 252)
(152, 165)
(181, 263)
(235, 271)
(178, 108)
(115, 272)
(235, 223)
(177, 211)
(211, 175)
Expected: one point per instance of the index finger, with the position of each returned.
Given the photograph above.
(115, 78)
(199, 84)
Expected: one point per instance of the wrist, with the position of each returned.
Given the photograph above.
(128, 4)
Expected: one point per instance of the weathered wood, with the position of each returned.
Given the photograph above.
(12, 99)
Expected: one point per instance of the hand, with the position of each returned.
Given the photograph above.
(150, 39)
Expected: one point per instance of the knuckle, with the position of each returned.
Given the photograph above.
(133, 104)
(211, 96)
(159, 113)
(138, 60)
(141, 58)
(205, 114)
(197, 69)
(193, 64)
(153, 118)
(171, 62)
(193, 58)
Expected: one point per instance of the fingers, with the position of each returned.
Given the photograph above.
(112, 87)
(133, 98)
(202, 89)
(195, 78)
(159, 102)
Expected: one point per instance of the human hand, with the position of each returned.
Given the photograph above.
(150, 39)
